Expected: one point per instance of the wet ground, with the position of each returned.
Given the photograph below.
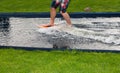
(86, 33)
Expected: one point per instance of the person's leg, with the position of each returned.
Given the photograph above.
(63, 7)
(54, 5)
(52, 16)
(66, 17)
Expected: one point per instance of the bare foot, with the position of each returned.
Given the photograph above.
(46, 25)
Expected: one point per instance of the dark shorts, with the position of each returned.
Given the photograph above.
(63, 4)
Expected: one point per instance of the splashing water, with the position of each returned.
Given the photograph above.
(103, 30)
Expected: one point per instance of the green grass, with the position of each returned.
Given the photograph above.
(44, 5)
(22, 61)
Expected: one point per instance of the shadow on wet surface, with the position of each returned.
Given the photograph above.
(4, 30)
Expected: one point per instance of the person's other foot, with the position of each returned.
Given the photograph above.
(70, 25)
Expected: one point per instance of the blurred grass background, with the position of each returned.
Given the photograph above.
(44, 5)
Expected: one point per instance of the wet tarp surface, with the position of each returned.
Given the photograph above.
(86, 33)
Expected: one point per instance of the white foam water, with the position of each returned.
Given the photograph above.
(104, 37)
(110, 36)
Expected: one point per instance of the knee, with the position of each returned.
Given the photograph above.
(52, 8)
(62, 12)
